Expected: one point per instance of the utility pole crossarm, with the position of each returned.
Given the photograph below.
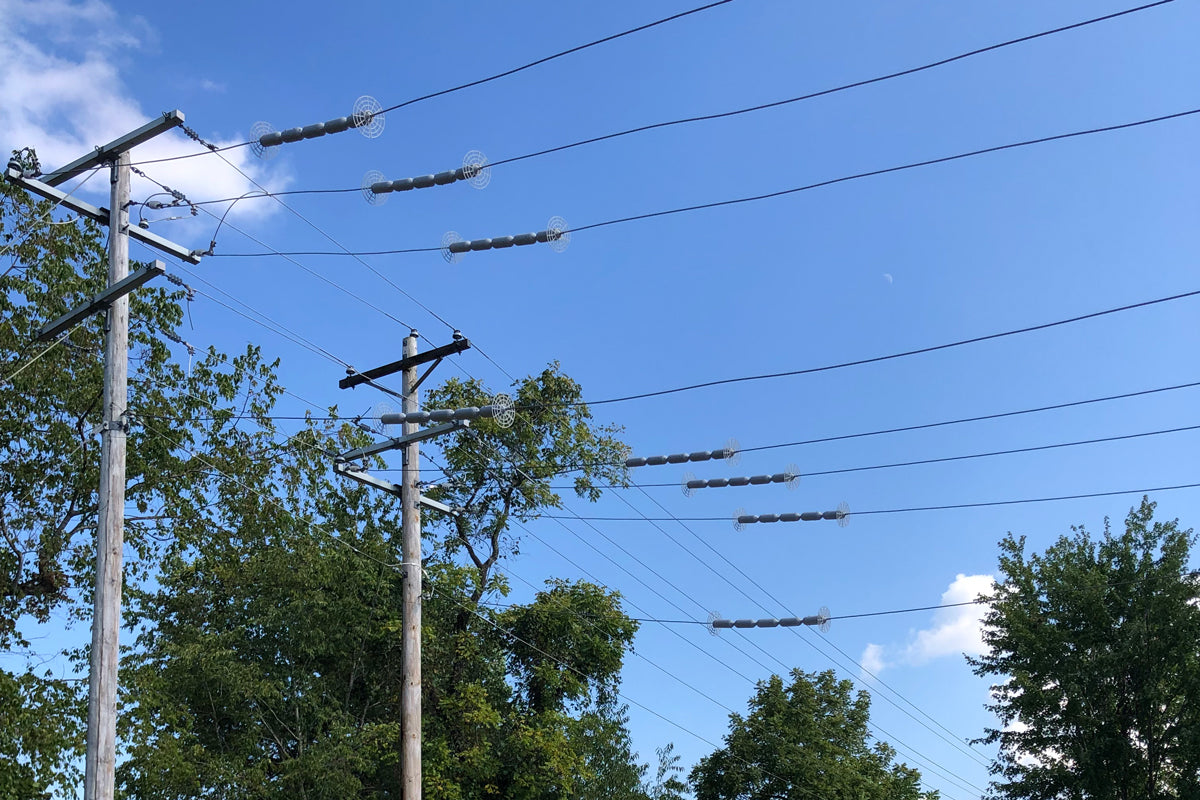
(108, 153)
(436, 354)
(342, 468)
(402, 441)
(366, 479)
(101, 215)
(102, 300)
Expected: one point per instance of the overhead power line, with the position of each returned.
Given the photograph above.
(465, 173)
(847, 513)
(795, 476)
(832, 617)
(480, 81)
(892, 356)
(766, 196)
(840, 437)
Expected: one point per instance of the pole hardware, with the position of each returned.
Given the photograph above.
(435, 355)
(102, 300)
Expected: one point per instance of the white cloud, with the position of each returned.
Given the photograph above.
(60, 77)
(952, 632)
(872, 658)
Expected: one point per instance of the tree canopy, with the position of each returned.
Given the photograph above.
(805, 740)
(49, 464)
(1094, 643)
(262, 650)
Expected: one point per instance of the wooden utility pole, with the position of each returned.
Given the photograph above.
(410, 549)
(411, 503)
(100, 761)
(100, 758)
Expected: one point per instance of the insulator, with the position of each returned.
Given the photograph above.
(791, 516)
(371, 194)
(525, 238)
(442, 178)
(337, 125)
(402, 185)
(504, 411)
(717, 483)
(502, 241)
(768, 518)
(767, 623)
(424, 181)
(811, 516)
(451, 250)
(292, 135)
(656, 461)
(481, 244)
(264, 139)
(791, 622)
(558, 234)
(739, 481)
(759, 480)
(367, 116)
(677, 458)
(702, 455)
(635, 462)
(743, 623)
(459, 247)
(313, 131)
(441, 415)
(475, 170)
(722, 623)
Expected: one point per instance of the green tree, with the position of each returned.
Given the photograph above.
(49, 462)
(1095, 643)
(269, 663)
(806, 740)
(667, 784)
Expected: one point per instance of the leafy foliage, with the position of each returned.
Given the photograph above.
(270, 664)
(1096, 643)
(503, 474)
(264, 596)
(803, 741)
(49, 463)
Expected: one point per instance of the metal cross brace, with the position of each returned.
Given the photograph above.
(400, 441)
(342, 468)
(101, 215)
(102, 300)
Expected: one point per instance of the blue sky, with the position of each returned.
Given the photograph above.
(855, 270)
